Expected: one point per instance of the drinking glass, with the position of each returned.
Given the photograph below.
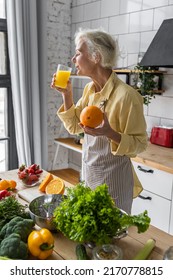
(62, 76)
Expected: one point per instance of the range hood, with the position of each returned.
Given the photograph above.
(160, 51)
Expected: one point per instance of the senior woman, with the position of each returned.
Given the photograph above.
(108, 148)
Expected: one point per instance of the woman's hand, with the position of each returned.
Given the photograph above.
(103, 130)
(67, 93)
(99, 130)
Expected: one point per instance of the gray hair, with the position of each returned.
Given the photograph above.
(99, 42)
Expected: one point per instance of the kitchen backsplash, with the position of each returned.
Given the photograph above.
(133, 24)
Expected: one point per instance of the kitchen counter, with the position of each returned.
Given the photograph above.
(131, 244)
(157, 157)
(65, 248)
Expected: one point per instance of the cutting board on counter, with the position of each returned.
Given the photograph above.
(30, 193)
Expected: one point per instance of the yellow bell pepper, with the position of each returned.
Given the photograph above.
(41, 243)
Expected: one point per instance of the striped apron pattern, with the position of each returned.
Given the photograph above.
(100, 166)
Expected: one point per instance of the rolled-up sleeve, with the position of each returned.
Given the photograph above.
(129, 145)
(132, 127)
(70, 119)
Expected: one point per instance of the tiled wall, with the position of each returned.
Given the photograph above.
(133, 23)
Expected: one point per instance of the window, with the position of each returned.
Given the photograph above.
(8, 154)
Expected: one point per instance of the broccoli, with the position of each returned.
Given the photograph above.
(13, 247)
(17, 225)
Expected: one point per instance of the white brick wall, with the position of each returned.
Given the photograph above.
(59, 45)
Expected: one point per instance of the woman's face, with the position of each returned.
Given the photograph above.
(82, 60)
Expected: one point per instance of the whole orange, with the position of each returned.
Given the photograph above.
(91, 116)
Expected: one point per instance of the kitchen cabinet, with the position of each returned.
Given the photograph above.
(156, 196)
(171, 221)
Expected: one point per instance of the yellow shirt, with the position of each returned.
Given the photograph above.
(124, 110)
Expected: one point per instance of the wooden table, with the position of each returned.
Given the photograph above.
(131, 244)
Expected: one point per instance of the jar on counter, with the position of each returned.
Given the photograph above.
(168, 255)
(107, 252)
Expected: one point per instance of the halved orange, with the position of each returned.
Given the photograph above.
(45, 182)
(55, 186)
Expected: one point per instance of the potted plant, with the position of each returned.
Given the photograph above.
(145, 82)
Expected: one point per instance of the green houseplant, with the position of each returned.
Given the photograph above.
(145, 83)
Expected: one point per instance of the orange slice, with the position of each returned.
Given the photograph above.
(55, 186)
(45, 182)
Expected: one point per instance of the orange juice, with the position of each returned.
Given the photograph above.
(62, 78)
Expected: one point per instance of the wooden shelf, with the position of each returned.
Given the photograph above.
(124, 71)
(156, 91)
(69, 143)
(131, 71)
(68, 174)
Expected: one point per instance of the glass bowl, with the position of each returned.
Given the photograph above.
(34, 183)
(107, 252)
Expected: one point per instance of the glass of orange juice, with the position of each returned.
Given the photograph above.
(62, 75)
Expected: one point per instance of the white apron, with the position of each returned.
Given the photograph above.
(100, 166)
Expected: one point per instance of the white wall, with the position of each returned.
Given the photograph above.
(134, 23)
(59, 46)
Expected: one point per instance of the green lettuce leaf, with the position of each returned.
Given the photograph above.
(87, 215)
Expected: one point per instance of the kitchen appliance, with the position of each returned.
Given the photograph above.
(160, 51)
(162, 135)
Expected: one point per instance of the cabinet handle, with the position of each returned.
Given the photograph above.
(145, 170)
(145, 197)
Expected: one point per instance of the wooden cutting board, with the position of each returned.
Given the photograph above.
(29, 194)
